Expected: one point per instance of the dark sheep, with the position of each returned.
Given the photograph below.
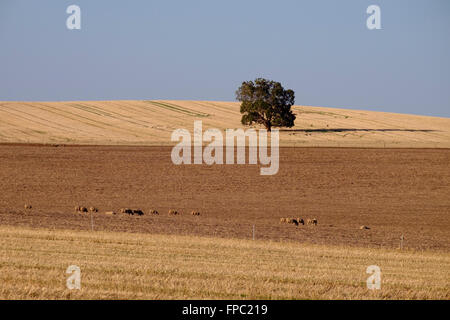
(138, 212)
(126, 210)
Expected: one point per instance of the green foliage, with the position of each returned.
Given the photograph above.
(267, 103)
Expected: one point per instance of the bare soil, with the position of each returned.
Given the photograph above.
(392, 191)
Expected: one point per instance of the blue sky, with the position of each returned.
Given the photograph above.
(204, 49)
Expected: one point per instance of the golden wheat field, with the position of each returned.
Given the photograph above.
(33, 265)
(139, 122)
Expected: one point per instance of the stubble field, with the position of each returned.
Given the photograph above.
(113, 265)
(145, 122)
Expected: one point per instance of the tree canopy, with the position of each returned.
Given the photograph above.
(267, 103)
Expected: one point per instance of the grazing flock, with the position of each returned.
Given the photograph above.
(138, 212)
(128, 211)
(299, 221)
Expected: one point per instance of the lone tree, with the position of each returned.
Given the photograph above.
(266, 102)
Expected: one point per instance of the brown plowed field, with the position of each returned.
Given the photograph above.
(393, 191)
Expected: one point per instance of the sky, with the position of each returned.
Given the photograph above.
(204, 49)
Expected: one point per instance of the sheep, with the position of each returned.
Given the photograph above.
(126, 210)
(173, 212)
(93, 209)
(27, 207)
(110, 213)
(364, 228)
(296, 221)
(312, 221)
(138, 212)
(195, 213)
(292, 221)
(79, 209)
(154, 212)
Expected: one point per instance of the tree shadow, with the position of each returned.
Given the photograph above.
(355, 129)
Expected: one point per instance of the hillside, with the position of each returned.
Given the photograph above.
(136, 122)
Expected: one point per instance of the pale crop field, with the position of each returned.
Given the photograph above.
(144, 122)
(33, 265)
